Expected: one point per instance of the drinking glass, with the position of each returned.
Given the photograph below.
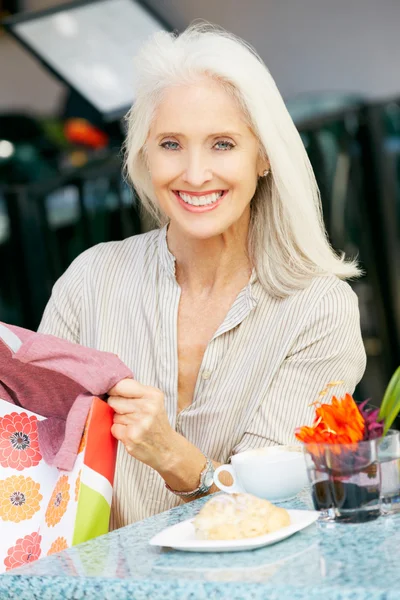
(389, 458)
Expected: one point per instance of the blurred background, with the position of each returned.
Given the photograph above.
(66, 79)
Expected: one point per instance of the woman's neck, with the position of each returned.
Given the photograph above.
(207, 266)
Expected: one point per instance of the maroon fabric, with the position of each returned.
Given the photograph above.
(57, 379)
(59, 439)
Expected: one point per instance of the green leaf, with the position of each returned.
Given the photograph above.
(389, 397)
(389, 420)
(391, 402)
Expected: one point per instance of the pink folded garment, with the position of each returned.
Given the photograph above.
(56, 379)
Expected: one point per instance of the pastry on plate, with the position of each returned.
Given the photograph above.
(238, 516)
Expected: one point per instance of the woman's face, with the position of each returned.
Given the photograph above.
(203, 160)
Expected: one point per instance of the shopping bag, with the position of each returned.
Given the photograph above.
(44, 510)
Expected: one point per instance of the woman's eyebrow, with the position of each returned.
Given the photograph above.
(212, 135)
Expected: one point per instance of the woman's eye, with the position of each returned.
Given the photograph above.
(225, 145)
(167, 145)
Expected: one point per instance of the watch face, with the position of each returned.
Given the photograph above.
(209, 479)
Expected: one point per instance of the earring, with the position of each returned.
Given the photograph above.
(265, 173)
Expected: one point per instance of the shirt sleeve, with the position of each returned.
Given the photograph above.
(62, 315)
(328, 349)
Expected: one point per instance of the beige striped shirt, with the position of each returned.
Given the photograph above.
(261, 370)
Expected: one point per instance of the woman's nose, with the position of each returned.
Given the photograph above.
(197, 171)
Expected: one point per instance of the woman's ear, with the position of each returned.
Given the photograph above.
(263, 165)
(264, 169)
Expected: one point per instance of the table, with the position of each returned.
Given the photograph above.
(335, 562)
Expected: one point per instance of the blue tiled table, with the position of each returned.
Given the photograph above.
(346, 562)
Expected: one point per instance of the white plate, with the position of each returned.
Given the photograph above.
(182, 536)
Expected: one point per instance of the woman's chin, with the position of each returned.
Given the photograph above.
(200, 231)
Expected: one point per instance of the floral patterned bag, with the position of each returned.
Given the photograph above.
(44, 510)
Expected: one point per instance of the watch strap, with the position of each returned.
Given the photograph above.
(206, 482)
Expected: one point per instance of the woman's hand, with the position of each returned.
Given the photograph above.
(141, 423)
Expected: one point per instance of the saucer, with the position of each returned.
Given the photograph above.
(182, 536)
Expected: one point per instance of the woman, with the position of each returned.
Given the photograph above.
(232, 316)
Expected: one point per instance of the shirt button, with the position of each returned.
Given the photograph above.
(206, 374)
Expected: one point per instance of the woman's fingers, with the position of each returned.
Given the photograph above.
(122, 419)
(126, 406)
(140, 421)
(118, 431)
(125, 418)
(135, 430)
(130, 388)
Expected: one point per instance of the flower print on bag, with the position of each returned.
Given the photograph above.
(20, 498)
(26, 550)
(78, 485)
(58, 502)
(19, 446)
(59, 544)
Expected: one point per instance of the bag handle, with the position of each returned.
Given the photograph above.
(10, 338)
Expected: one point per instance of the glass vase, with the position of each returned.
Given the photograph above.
(345, 480)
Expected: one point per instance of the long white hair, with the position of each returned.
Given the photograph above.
(287, 242)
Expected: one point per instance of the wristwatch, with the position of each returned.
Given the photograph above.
(206, 482)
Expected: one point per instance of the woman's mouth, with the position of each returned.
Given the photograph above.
(203, 203)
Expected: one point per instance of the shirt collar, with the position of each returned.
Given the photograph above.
(167, 259)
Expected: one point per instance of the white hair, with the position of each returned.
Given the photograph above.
(288, 244)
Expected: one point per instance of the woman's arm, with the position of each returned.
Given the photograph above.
(141, 424)
(328, 348)
(62, 313)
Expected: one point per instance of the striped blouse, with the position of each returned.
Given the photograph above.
(261, 370)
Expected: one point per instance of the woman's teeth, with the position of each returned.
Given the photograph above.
(200, 200)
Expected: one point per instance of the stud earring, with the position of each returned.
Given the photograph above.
(265, 173)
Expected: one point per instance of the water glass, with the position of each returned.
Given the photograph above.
(389, 458)
(345, 481)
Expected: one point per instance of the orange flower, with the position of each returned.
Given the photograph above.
(58, 502)
(19, 446)
(19, 498)
(25, 551)
(78, 485)
(59, 544)
(338, 423)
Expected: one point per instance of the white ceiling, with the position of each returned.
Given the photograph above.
(308, 45)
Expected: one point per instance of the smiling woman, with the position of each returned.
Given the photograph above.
(233, 314)
(194, 171)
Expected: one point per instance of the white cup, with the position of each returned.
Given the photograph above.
(276, 473)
